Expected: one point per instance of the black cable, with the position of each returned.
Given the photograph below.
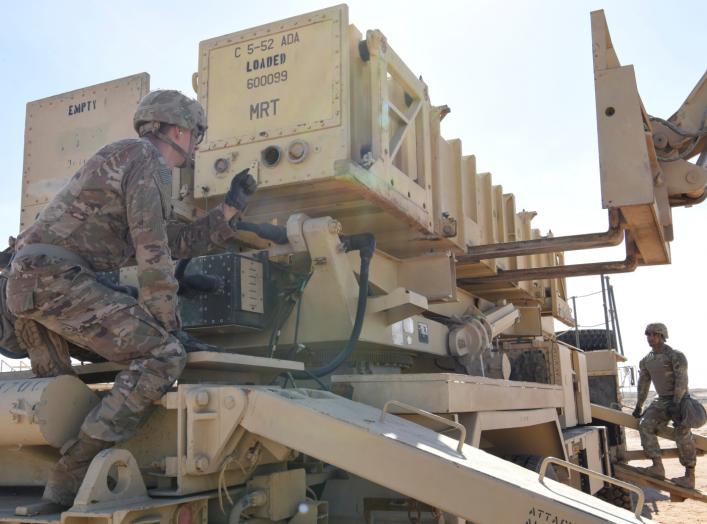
(317, 380)
(295, 342)
(181, 268)
(365, 243)
(280, 322)
(276, 234)
(676, 129)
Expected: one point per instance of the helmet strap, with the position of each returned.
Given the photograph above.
(164, 138)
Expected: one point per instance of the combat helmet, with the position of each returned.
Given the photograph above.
(170, 107)
(657, 327)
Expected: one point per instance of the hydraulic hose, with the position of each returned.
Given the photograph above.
(365, 244)
(277, 234)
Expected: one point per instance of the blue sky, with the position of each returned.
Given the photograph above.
(517, 76)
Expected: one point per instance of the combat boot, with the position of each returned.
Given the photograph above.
(687, 480)
(48, 351)
(656, 470)
(66, 476)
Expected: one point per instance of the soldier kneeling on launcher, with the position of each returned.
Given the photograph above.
(667, 369)
(114, 212)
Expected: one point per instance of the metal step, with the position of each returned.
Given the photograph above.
(677, 493)
(417, 462)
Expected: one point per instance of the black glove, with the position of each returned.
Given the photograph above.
(636, 412)
(192, 344)
(243, 186)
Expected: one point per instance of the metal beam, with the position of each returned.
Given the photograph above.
(611, 237)
(624, 419)
(670, 453)
(627, 265)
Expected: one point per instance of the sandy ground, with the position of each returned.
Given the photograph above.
(662, 510)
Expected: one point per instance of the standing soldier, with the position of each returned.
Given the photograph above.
(113, 212)
(667, 369)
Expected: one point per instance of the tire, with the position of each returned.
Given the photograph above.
(615, 495)
(12, 354)
(533, 462)
(589, 339)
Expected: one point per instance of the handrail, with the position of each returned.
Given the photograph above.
(629, 264)
(431, 416)
(613, 236)
(611, 480)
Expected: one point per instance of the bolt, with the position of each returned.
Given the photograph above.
(660, 140)
(334, 226)
(692, 177)
(202, 462)
(229, 402)
(202, 398)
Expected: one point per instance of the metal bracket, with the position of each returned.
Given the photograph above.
(611, 480)
(111, 463)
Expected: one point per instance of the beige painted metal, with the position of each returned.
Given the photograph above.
(455, 425)
(388, 273)
(528, 323)
(372, 155)
(38, 412)
(594, 475)
(209, 442)
(603, 362)
(514, 432)
(145, 511)
(26, 465)
(587, 439)
(579, 364)
(373, 447)
(128, 480)
(451, 393)
(63, 131)
(393, 319)
(568, 412)
(628, 159)
(624, 419)
(201, 366)
(284, 492)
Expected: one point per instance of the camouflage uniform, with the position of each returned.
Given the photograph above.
(114, 212)
(667, 370)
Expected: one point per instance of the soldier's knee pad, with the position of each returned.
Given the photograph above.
(646, 425)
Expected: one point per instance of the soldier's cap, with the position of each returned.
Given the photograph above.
(657, 327)
(168, 107)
